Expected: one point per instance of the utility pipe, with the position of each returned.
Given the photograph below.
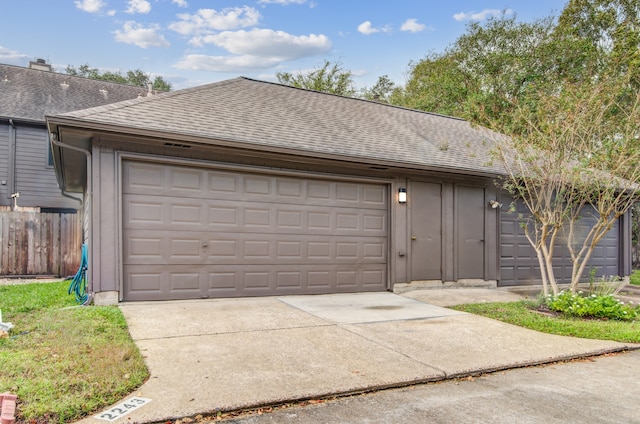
(12, 159)
(87, 199)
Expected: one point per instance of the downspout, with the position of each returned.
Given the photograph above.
(12, 160)
(89, 199)
(65, 194)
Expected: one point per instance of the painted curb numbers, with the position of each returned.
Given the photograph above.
(122, 409)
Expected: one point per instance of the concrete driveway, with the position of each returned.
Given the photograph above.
(229, 354)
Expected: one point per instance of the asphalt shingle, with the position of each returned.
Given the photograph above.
(30, 94)
(273, 116)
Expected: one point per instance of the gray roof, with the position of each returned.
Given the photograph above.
(30, 94)
(261, 115)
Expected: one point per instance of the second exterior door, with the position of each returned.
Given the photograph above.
(426, 231)
(470, 232)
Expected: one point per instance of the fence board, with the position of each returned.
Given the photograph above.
(34, 243)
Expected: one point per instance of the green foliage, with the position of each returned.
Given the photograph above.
(605, 285)
(437, 84)
(329, 78)
(525, 314)
(635, 278)
(484, 70)
(382, 92)
(135, 77)
(64, 361)
(606, 33)
(593, 306)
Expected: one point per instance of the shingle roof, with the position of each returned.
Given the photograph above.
(275, 117)
(30, 94)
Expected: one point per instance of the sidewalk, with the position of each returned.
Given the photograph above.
(229, 354)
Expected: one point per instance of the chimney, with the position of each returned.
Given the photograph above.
(41, 65)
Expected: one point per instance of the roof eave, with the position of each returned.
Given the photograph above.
(66, 121)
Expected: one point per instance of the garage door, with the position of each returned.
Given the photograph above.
(198, 233)
(519, 264)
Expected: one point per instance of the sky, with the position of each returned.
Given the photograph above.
(195, 42)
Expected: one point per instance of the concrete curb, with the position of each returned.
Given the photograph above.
(399, 385)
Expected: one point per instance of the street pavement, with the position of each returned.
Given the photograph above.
(604, 389)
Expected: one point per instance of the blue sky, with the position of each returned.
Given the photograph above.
(193, 42)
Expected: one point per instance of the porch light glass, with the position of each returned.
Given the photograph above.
(402, 195)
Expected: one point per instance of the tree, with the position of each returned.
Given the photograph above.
(135, 77)
(607, 33)
(382, 92)
(329, 78)
(484, 70)
(577, 153)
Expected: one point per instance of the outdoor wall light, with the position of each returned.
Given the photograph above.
(495, 204)
(402, 195)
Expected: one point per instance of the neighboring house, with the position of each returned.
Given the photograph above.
(250, 188)
(27, 176)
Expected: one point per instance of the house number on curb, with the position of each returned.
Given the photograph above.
(122, 409)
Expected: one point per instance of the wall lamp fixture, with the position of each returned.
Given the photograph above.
(495, 204)
(402, 195)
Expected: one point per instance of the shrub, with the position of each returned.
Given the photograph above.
(593, 306)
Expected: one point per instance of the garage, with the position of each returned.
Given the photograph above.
(191, 233)
(519, 264)
(251, 188)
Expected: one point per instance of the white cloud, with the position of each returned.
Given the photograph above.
(254, 50)
(208, 20)
(269, 43)
(232, 64)
(90, 6)
(180, 3)
(134, 33)
(138, 6)
(480, 16)
(412, 25)
(282, 2)
(367, 28)
(12, 57)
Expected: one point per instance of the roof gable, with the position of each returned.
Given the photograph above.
(30, 94)
(275, 117)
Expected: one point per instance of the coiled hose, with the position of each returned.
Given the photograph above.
(78, 284)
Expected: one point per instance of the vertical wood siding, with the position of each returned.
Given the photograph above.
(35, 243)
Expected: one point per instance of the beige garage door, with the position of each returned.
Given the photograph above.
(196, 233)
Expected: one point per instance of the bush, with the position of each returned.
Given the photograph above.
(593, 306)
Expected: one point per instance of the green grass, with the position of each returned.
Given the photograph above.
(523, 314)
(635, 278)
(64, 361)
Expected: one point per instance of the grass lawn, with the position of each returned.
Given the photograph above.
(64, 361)
(523, 313)
(635, 278)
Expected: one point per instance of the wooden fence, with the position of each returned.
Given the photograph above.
(35, 243)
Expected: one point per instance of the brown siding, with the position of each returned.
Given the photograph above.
(35, 243)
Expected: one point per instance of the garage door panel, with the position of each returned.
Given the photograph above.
(150, 213)
(185, 282)
(519, 263)
(181, 247)
(181, 182)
